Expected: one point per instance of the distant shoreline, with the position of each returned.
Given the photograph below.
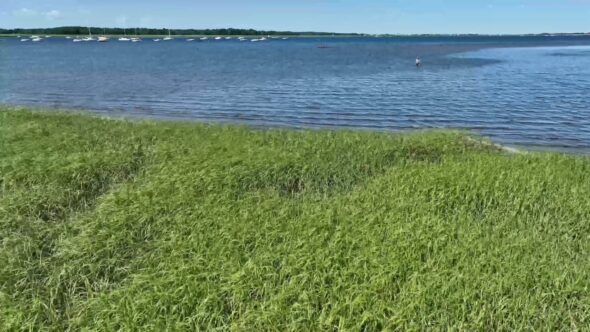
(180, 36)
(17, 35)
(190, 32)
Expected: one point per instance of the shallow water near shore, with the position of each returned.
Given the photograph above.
(530, 92)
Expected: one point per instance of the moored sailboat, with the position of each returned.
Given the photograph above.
(169, 36)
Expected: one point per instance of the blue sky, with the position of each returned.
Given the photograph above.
(368, 16)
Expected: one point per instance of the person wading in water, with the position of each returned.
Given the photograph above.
(418, 62)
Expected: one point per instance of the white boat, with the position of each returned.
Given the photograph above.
(136, 38)
(38, 39)
(217, 38)
(190, 40)
(124, 39)
(89, 38)
(76, 40)
(157, 40)
(254, 40)
(169, 36)
(25, 40)
(68, 37)
(227, 38)
(47, 36)
(262, 39)
(33, 37)
(103, 38)
(204, 38)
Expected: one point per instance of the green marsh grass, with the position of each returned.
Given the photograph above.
(148, 226)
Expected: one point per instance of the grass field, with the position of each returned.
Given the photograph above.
(150, 226)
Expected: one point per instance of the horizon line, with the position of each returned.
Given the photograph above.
(311, 31)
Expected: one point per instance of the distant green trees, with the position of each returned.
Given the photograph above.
(80, 30)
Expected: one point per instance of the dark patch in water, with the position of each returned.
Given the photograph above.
(572, 54)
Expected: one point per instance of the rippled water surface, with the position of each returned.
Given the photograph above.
(532, 92)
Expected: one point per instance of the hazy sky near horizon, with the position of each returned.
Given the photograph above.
(369, 16)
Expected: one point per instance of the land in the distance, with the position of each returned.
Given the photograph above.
(79, 30)
(130, 225)
(159, 32)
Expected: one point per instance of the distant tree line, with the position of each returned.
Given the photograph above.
(79, 30)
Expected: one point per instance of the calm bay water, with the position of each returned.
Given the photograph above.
(521, 91)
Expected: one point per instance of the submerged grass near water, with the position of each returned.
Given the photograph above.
(149, 226)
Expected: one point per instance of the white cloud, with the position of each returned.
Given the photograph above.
(25, 12)
(31, 13)
(53, 14)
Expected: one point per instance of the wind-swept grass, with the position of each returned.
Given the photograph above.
(117, 225)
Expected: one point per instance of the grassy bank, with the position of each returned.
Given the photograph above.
(115, 225)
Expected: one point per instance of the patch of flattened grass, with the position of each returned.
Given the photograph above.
(50, 172)
(332, 162)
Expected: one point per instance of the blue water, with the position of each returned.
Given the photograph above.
(520, 91)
